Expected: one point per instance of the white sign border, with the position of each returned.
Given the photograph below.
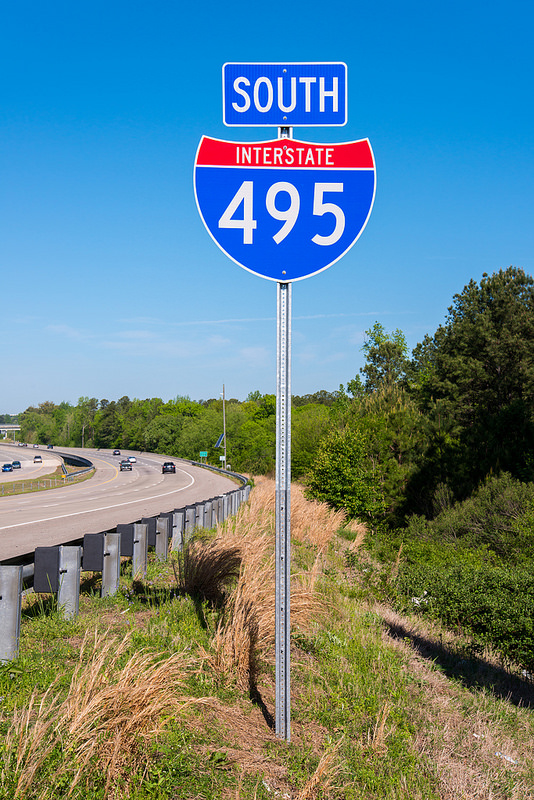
(289, 64)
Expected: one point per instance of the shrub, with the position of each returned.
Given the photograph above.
(343, 476)
(492, 602)
(500, 515)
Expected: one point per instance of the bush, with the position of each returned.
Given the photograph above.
(343, 476)
(499, 515)
(473, 567)
(493, 603)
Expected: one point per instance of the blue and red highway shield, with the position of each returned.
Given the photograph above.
(284, 209)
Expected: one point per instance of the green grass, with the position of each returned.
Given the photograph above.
(370, 719)
(54, 480)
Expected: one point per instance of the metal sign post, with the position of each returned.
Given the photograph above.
(283, 512)
(285, 210)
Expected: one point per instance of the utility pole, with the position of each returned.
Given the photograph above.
(224, 425)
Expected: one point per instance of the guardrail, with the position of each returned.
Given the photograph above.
(57, 569)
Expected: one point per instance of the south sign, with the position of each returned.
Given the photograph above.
(284, 209)
(285, 94)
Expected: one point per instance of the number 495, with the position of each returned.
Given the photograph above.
(288, 216)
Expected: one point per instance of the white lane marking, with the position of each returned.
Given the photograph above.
(102, 508)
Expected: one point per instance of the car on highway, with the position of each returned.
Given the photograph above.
(49, 446)
(125, 464)
(37, 459)
(16, 465)
(36, 445)
(116, 452)
(7, 468)
(132, 459)
(168, 466)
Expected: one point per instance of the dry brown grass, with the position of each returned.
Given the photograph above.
(247, 630)
(205, 569)
(322, 778)
(461, 733)
(312, 521)
(110, 712)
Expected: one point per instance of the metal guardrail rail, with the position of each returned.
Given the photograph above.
(57, 569)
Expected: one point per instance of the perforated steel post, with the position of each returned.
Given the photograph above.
(283, 512)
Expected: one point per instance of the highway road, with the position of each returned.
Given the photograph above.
(58, 515)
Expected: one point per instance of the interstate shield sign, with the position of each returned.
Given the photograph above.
(284, 209)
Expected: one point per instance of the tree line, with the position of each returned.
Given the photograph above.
(433, 448)
(406, 432)
(182, 427)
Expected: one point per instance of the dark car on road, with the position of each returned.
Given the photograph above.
(125, 464)
(16, 465)
(7, 468)
(116, 452)
(168, 466)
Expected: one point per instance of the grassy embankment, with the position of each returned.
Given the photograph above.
(53, 480)
(167, 690)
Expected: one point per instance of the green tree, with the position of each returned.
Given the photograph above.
(344, 476)
(86, 413)
(386, 358)
(108, 427)
(309, 424)
(477, 373)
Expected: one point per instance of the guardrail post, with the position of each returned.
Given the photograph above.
(177, 530)
(224, 505)
(247, 491)
(10, 607)
(111, 564)
(162, 538)
(200, 515)
(151, 530)
(190, 522)
(208, 514)
(68, 595)
(214, 512)
(140, 549)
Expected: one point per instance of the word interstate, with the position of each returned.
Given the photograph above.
(285, 155)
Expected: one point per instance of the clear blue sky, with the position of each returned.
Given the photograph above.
(111, 285)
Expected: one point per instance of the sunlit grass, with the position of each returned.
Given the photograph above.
(167, 689)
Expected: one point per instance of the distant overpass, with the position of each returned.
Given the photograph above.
(7, 427)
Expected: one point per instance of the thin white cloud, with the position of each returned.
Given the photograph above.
(243, 320)
(69, 332)
(137, 335)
